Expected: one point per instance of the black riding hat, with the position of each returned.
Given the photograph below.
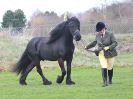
(100, 26)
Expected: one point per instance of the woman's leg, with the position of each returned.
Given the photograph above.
(110, 62)
(103, 62)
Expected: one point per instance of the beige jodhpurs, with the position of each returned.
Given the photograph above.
(106, 62)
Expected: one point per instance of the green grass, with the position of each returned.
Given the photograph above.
(88, 85)
(85, 72)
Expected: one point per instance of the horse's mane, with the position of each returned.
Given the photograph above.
(58, 31)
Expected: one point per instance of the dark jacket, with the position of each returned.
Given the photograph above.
(108, 40)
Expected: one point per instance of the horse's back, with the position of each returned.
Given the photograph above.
(36, 39)
(32, 46)
(39, 47)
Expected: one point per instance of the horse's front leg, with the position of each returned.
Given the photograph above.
(68, 78)
(60, 78)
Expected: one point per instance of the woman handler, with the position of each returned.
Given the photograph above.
(106, 51)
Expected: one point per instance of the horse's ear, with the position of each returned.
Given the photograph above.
(66, 16)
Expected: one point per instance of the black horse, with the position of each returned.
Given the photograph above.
(58, 47)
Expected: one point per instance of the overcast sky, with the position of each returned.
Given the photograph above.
(58, 6)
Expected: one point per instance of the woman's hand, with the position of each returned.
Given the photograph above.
(86, 48)
(106, 48)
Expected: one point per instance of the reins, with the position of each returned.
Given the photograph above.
(83, 45)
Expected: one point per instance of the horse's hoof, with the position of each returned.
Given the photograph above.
(47, 82)
(23, 83)
(69, 82)
(59, 79)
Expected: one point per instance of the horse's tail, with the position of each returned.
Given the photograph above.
(21, 65)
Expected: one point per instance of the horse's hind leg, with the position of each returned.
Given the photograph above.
(25, 74)
(61, 78)
(39, 70)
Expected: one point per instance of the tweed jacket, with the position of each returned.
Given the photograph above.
(108, 40)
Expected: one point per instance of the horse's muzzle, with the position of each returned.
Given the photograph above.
(77, 35)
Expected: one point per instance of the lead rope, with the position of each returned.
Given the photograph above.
(81, 47)
(84, 44)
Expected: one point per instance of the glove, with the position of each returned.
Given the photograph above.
(106, 48)
(86, 48)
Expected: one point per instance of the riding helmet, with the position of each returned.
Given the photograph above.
(100, 26)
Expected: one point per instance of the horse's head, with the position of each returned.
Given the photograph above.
(74, 27)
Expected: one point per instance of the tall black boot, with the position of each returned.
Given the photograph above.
(110, 75)
(104, 76)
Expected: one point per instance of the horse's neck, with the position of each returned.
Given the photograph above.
(68, 40)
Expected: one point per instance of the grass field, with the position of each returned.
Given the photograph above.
(85, 72)
(88, 85)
